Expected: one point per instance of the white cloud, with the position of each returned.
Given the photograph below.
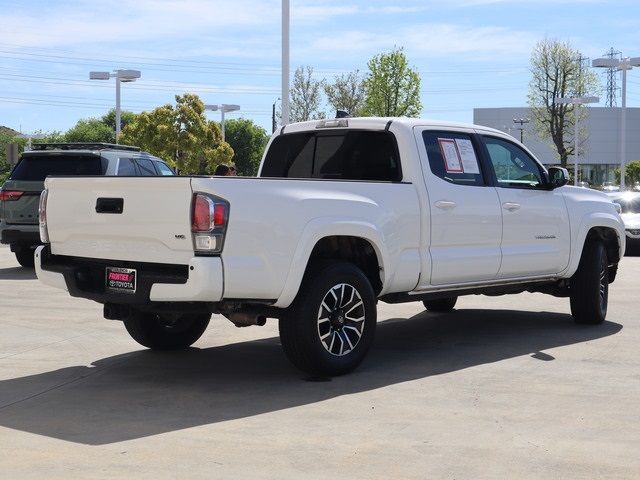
(84, 22)
(429, 40)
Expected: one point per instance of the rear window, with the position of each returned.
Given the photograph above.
(37, 168)
(352, 155)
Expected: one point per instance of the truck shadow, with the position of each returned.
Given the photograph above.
(17, 273)
(146, 393)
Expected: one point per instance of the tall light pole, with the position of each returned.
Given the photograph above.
(576, 101)
(224, 108)
(622, 65)
(285, 62)
(273, 117)
(521, 121)
(123, 76)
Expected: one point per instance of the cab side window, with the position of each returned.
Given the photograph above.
(452, 157)
(514, 168)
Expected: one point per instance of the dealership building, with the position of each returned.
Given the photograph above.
(599, 151)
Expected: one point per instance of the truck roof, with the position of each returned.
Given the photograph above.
(380, 123)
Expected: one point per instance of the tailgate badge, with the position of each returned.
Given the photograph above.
(180, 237)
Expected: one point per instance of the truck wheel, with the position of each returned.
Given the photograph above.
(331, 325)
(589, 287)
(166, 332)
(25, 257)
(441, 304)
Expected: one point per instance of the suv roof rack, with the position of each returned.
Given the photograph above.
(83, 146)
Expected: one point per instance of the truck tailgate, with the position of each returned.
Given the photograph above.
(84, 218)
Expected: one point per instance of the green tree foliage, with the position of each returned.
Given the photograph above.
(109, 119)
(101, 129)
(346, 93)
(90, 130)
(305, 96)
(181, 135)
(248, 141)
(631, 173)
(557, 71)
(392, 87)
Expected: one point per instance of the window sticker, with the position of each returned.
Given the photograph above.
(450, 154)
(467, 156)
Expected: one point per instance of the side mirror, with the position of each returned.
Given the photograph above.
(558, 177)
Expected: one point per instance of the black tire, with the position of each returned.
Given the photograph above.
(441, 304)
(25, 258)
(589, 287)
(310, 331)
(166, 332)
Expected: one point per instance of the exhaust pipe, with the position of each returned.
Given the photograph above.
(240, 319)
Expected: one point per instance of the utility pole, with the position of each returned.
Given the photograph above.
(522, 122)
(612, 79)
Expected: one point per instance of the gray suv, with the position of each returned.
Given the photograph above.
(20, 194)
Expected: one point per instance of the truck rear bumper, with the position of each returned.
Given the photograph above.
(19, 236)
(199, 281)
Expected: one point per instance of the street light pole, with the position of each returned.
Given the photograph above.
(274, 125)
(223, 109)
(521, 121)
(576, 102)
(285, 62)
(622, 65)
(118, 119)
(120, 76)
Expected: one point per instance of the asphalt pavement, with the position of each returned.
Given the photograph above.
(503, 387)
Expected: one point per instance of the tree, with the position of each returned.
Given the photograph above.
(126, 118)
(305, 96)
(248, 141)
(90, 130)
(631, 173)
(557, 71)
(346, 93)
(181, 135)
(392, 87)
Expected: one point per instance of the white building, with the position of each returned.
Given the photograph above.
(600, 153)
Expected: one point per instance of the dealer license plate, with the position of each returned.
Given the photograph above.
(122, 280)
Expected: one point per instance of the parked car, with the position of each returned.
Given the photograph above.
(630, 207)
(20, 193)
(344, 213)
(610, 187)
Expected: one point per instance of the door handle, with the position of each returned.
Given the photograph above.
(445, 204)
(512, 207)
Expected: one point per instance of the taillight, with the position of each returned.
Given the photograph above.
(209, 217)
(9, 195)
(42, 216)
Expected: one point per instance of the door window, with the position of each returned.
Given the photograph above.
(146, 167)
(513, 167)
(452, 157)
(127, 167)
(164, 169)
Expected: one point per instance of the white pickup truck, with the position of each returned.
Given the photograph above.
(343, 213)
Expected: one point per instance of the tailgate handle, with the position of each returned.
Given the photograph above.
(109, 205)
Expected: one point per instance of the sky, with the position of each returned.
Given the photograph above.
(469, 53)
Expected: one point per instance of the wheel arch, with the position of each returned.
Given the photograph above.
(600, 227)
(356, 242)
